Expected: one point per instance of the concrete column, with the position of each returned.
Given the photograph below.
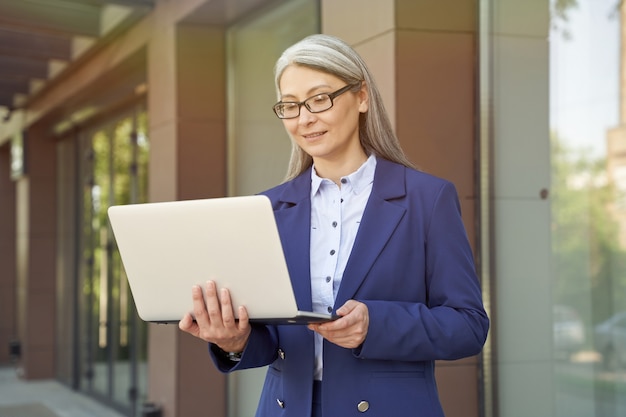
(186, 103)
(36, 263)
(423, 56)
(8, 330)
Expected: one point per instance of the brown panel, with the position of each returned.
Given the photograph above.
(201, 107)
(200, 73)
(163, 367)
(8, 330)
(38, 362)
(52, 16)
(435, 109)
(13, 86)
(201, 151)
(33, 45)
(37, 253)
(6, 100)
(22, 68)
(41, 322)
(436, 104)
(187, 157)
(458, 389)
(201, 387)
(468, 213)
(448, 15)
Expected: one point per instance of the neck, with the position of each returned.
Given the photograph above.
(334, 170)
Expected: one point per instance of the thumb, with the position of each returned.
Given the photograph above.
(346, 308)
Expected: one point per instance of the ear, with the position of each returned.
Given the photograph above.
(364, 98)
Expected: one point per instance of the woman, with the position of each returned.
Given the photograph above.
(366, 237)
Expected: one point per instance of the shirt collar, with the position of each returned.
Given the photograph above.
(359, 179)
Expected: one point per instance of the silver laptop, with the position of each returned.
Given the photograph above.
(166, 248)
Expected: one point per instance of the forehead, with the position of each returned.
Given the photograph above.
(299, 81)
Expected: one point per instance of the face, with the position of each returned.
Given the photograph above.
(331, 136)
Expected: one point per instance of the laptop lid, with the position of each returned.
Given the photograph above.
(168, 247)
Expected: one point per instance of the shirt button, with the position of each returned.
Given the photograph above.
(344, 181)
(334, 224)
(363, 406)
(332, 252)
(328, 279)
(330, 309)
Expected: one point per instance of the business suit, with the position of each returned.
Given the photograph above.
(412, 266)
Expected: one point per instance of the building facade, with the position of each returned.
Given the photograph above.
(519, 103)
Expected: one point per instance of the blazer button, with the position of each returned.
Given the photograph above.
(281, 354)
(280, 403)
(363, 406)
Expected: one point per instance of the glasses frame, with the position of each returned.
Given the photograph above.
(331, 96)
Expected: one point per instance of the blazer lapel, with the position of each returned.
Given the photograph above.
(379, 221)
(294, 225)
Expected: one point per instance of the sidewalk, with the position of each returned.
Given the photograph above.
(46, 398)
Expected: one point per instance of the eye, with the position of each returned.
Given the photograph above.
(319, 99)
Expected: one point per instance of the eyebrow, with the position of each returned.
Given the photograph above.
(309, 93)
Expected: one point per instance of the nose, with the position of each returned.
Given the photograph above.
(306, 117)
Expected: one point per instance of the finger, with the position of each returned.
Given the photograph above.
(347, 308)
(212, 302)
(228, 316)
(335, 325)
(186, 323)
(243, 318)
(199, 306)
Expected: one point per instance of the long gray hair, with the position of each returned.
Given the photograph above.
(333, 56)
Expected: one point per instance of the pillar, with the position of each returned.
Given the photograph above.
(423, 57)
(8, 330)
(186, 104)
(36, 256)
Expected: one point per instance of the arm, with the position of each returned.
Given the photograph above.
(215, 323)
(423, 301)
(452, 323)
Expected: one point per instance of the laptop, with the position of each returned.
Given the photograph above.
(168, 247)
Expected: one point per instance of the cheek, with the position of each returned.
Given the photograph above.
(290, 126)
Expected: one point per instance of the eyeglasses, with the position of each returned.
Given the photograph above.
(316, 104)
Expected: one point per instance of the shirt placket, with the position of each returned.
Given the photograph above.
(332, 224)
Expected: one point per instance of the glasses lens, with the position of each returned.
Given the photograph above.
(319, 103)
(287, 110)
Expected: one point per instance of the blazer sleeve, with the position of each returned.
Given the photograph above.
(261, 350)
(452, 322)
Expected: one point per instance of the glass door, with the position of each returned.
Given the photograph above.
(113, 350)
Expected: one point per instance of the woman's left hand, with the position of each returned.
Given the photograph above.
(348, 331)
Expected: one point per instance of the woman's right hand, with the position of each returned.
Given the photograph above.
(215, 319)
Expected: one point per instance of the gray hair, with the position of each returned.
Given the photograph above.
(333, 56)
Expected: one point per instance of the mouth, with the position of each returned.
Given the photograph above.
(313, 136)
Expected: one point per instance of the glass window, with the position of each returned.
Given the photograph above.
(553, 100)
(259, 147)
(588, 139)
(114, 168)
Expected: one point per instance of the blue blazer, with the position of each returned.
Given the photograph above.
(412, 266)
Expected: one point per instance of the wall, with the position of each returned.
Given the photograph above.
(8, 330)
(186, 105)
(36, 260)
(423, 56)
(521, 170)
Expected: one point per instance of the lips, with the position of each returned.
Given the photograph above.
(311, 136)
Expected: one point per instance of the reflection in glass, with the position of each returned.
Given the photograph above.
(588, 144)
(113, 357)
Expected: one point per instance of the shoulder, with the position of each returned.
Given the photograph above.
(391, 175)
(290, 192)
